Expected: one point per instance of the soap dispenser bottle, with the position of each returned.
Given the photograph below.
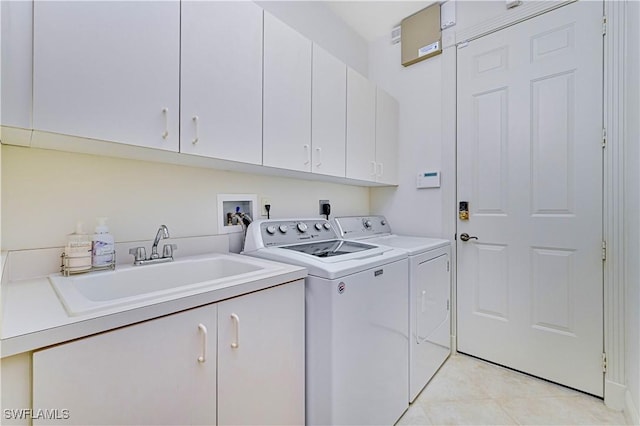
(77, 252)
(103, 245)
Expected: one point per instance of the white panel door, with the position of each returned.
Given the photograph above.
(221, 80)
(329, 109)
(387, 111)
(361, 127)
(530, 166)
(108, 70)
(287, 97)
(261, 357)
(144, 374)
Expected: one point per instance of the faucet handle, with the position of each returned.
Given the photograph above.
(139, 253)
(168, 249)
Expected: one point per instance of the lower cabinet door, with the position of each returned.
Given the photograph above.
(157, 372)
(261, 357)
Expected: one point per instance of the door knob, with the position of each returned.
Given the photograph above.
(466, 237)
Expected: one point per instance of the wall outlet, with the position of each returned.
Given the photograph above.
(263, 202)
(320, 203)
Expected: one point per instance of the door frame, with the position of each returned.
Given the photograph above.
(613, 170)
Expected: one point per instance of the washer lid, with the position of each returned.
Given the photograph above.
(330, 248)
(413, 245)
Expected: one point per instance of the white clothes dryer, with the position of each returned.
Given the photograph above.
(429, 293)
(356, 320)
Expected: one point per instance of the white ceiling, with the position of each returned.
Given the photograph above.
(374, 19)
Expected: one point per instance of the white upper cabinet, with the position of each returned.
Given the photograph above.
(108, 70)
(221, 80)
(386, 138)
(361, 127)
(328, 121)
(16, 35)
(287, 97)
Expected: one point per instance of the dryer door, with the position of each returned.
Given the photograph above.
(430, 335)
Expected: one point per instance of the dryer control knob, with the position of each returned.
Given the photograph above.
(283, 228)
(326, 225)
(318, 226)
(302, 227)
(383, 222)
(271, 229)
(367, 223)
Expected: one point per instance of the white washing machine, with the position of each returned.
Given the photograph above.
(429, 290)
(356, 320)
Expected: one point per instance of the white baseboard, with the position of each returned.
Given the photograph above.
(630, 410)
(614, 395)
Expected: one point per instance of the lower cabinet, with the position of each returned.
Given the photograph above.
(238, 361)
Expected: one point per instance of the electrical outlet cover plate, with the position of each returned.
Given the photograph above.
(263, 202)
(320, 203)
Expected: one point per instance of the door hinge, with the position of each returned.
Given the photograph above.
(447, 266)
(604, 137)
(604, 25)
(604, 250)
(604, 362)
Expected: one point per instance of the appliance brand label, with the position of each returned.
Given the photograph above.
(378, 272)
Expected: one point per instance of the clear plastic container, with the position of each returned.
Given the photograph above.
(78, 250)
(103, 245)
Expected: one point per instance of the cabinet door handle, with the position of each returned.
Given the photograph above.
(203, 331)
(319, 151)
(307, 152)
(236, 320)
(165, 134)
(373, 168)
(380, 169)
(195, 122)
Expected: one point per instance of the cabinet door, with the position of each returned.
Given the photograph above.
(329, 114)
(261, 357)
(287, 97)
(386, 138)
(108, 70)
(221, 80)
(147, 373)
(361, 126)
(17, 38)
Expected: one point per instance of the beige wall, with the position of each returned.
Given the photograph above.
(45, 192)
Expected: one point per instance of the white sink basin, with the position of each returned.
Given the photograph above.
(82, 294)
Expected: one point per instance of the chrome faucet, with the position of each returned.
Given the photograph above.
(163, 232)
(140, 254)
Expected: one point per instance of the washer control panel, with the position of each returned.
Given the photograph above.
(353, 227)
(285, 232)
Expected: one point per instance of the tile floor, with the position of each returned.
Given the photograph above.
(468, 391)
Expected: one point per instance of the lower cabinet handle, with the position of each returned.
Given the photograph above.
(236, 320)
(380, 169)
(203, 330)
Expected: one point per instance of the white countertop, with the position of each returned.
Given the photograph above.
(33, 317)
